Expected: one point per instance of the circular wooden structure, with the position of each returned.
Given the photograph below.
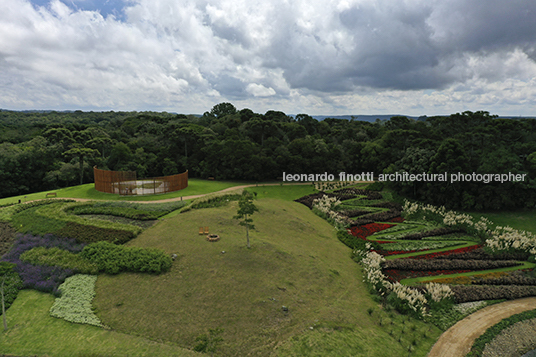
(213, 237)
(126, 183)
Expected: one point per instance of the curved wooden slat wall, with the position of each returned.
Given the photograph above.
(126, 183)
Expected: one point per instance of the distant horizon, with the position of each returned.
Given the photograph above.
(316, 116)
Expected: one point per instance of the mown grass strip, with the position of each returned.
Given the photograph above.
(411, 281)
(431, 251)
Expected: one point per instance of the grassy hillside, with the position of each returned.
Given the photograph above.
(296, 261)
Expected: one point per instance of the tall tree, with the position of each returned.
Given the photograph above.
(81, 153)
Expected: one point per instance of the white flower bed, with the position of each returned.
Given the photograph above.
(326, 205)
(449, 218)
(504, 238)
(467, 308)
(74, 305)
(371, 263)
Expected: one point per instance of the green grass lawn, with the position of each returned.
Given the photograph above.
(524, 220)
(87, 191)
(32, 331)
(295, 261)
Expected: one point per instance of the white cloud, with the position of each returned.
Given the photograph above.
(315, 56)
(258, 90)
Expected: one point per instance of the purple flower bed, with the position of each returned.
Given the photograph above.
(39, 277)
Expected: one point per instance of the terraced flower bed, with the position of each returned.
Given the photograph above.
(458, 259)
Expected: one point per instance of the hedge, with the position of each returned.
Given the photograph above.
(466, 293)
(113, 259)
(90, 234)
(447, 264)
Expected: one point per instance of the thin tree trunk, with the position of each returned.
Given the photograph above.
(247, 231)
(3, 305)
(81, 169)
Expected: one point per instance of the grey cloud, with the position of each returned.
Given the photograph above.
(405, 46)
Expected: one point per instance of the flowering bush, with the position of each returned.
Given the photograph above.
(326, 204)
(332, 185)
(404, 298)
(451, 219)
(438, 292)
(74, 305)
(509, 239)
(324, 207)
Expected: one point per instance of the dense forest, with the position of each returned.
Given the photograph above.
(45, 150)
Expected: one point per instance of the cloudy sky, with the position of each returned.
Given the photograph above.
(413, 57)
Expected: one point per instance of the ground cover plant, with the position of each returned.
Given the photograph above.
(74, 303)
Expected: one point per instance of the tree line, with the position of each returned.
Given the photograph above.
(48, 150)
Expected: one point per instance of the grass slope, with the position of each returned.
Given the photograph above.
(295, 261)
(32, 331)
(521, 219)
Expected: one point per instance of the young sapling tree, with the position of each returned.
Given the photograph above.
(246, 208)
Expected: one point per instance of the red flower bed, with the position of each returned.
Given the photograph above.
(385, 241)
(366, 230)
(453, 251)
(397, 220)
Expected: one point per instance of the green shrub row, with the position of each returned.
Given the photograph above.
(116, 211)
(6, 213)
(59, 257)
(137, 211)
(113, 259)
(216, 200)
(53, 219)
(74, 304)
(12, 285)
(86, 233)
(494, 331)
(59, 211)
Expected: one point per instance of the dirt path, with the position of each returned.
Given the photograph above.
(228, 189)
(458, 340)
